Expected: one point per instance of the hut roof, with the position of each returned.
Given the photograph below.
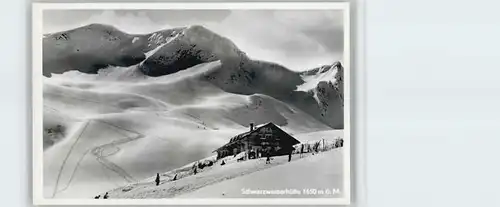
(245, 134)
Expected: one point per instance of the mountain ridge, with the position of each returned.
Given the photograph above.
(95, 47)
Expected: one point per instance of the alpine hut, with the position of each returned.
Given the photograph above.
(261, 140)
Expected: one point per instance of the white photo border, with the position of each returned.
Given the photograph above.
(37, 99)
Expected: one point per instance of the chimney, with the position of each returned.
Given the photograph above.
(251, 126)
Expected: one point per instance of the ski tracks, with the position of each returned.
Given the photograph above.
(66, 158)
(97, 152)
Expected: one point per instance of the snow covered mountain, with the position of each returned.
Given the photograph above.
(120, 107)
(93, 47)
(314, 76)
(88, 49)
(326, 84)
(191, 46)
(96, 46)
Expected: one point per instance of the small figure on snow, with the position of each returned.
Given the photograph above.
(223, 163)
(97, 197)
(105, 196)
(195, 171)
(301, 149)
(268, 157)
(157, 180)
(175, 177)
(270, 151)
(289, 156)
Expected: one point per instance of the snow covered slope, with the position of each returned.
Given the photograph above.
(320, 172)
(121, 130)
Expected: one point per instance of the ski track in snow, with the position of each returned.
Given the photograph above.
(97, 152)
(66, 158)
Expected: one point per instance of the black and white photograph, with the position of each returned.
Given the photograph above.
(199, 103)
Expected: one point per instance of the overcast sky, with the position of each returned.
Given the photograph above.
(297, 39)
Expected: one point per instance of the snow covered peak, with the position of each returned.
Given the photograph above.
(88, 32)
(158, 38)
(314, 76)
(206, 39)
(96, 46)
(185, 47)
(196, 35)
(321, 69)
(88, 49)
